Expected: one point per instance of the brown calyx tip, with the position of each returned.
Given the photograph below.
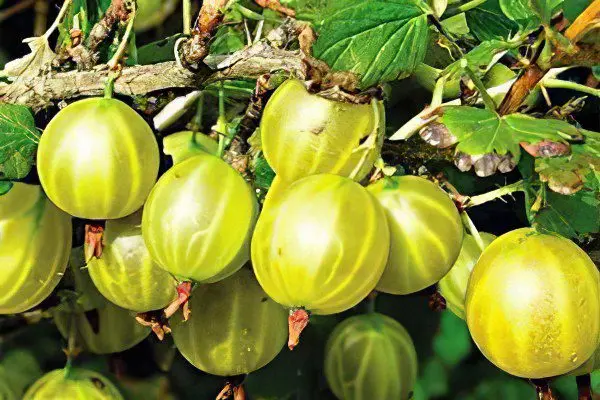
(93, 241)
(297, 321)
(232, 390)
(184, 290)
(437, 302)
(157, 321)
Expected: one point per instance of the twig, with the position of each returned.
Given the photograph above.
(534, 74)
(277, 6)
(209, 18)
(40, 92)
(494, 194)
(15, 9)
(114, 61)
(187, 17)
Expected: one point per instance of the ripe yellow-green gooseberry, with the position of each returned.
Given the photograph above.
(35, 243)
(73, 384)
(370, 356)
(98, 159)
(126, 274)
(183, 145)
(304, 134)
(426, 233)
(591, 365)
(103, 330)
(322, 247)
(533, 304)
(453, 286)
(199, 218)
(234, 327)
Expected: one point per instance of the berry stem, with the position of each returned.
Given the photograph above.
(494, 194)
(584, 387)
(116, 58)
(468, 223)
(187, 17)
(297, 321)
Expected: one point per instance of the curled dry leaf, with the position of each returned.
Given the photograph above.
(438, 135)
(485, 164)
(33, 64)
(546, 148)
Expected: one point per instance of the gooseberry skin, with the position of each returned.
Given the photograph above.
(35, 244)
(323, 246)
(305, 134)
(126, 274)
(370, 356)
(199, 218)
(116, 329)
(234, 328)
(533, 304)
(426, 233)
(453, 286)
(77, 384)
(98, 159)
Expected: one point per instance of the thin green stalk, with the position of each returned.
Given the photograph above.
(495, 194)
(470, 226)
(463, 7)
(222, 123)
(109, 87)
(553, 83)
(485, 96)
(123, 45)
(187, 17)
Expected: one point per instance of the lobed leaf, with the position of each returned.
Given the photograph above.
(488, 22)
(377, 40)
(480, 131)
(18, 141)
(569, 216)
(581, 168)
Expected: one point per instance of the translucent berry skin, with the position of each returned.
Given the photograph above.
(126, 274)
(77, 384)
(370, 356)
(426, 233)
(533, 304)
(453, 286)
(105, 330)
(35, 244)
(199, 218)
(323, 246)
(234, 327)
(98, 159)
(305, 134)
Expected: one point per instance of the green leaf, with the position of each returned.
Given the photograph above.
(18, 141)
(569, 216)
(433, 379)
(227, 40)
(453, 343)
(523, 12)
(456, 25)
(377, 40)
(569, 174)
(488, 22)
(5, 187)
(263, 173)
(481, 131)
(159, 51)
(479, 58)
(572, 8)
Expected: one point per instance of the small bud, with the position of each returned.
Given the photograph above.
(487, 164)
(438, 135)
